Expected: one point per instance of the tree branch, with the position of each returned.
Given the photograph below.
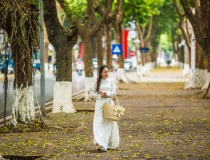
(189, 13)
(181, 22)
(149, 31)
(64, 7)
(100, 22)
(51, 23)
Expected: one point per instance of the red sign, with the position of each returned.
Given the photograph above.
(132, 53)
(125, 43)
(81, 50)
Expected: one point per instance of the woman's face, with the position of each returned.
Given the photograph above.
(105, 73)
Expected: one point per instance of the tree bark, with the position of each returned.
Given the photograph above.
(108, 47)
(200, 22)
(101, 9)
(63, 43)
(142, 43)
(21, 25)
(88, 57)
(201, 25)
(99, 49)
(117, 20)
(199, 58)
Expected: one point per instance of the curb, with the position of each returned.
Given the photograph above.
(48, 106)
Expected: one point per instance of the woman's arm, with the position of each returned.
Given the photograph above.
(112, 93)
(95, 94)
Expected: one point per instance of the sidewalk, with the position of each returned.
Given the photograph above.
(163, 74)
(162, 121)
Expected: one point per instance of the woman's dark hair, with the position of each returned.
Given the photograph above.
(99, 76)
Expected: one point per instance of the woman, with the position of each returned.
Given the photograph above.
(106, 133)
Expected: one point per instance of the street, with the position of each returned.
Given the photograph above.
(77, 85)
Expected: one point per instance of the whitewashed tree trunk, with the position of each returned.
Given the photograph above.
(189, 84)
(138, 71)
(121, 76)
(62, 101)
(146, 68)
(181, 65)
(142, 70)
(207, 79)
(186, 70)
(153, 65)
(89, 82)
(197, 79)
(23, 105)
(150, 66)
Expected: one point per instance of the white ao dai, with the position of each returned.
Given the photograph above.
(106, 132)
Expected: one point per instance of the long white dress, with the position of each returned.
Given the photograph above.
(106, 132)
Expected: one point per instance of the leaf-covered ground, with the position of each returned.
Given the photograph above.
(162, 121)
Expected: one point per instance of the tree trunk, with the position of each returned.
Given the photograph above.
(200, 60)
(176, 50)
(154, 52)
(63, 43)
(20, 22)
(23, 105)
(201, 25)
(186, 70)
(198, 77)
(118, 39)
(120, 58)
(99, 49)
(108, 47)
(88, 57)
(208, 79)
(63, 61)
(117, 20)
(88, 67)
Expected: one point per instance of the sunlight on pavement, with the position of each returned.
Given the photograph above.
(163, 74)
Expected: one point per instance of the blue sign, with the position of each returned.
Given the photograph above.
(144, 50)
(117, 49)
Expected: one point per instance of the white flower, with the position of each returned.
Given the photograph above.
(119, 110)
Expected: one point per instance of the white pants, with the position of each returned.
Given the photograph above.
(106, 132)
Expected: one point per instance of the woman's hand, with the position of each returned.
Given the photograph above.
(102, 93)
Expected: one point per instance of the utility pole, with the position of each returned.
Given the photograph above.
(42, 67)
(193, 53)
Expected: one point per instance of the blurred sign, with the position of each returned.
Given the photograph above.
(36, 55)
(125, 43)
(117, 49)
(144, 50)
(132, 53)
(132, 34)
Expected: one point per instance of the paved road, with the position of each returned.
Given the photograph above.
(77, 85)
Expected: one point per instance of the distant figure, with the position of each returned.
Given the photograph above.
(168, 62)
(106, 132)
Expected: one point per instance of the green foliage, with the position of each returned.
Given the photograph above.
(166, 26)
(168, 18)
(35, 3)
(165, 42)
(141, 10)
(76, 9)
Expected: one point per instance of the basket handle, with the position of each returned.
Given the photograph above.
(117, 100)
